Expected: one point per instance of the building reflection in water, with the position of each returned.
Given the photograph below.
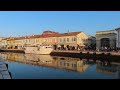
(108, 68)
(118, 72)
(74, 64)
(67, 63)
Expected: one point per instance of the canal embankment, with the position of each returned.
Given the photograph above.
(76, 54)
(12, 50)
(88, 54)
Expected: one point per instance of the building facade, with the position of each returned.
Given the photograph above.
(74, 64)
(47, 37)
(118, 37)
(106, 39)
(72, 39)
(3, 43)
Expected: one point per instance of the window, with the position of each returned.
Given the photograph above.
(60, 63)
(31, 40)
(72, 65)
(75, 65)
(68, 39)
(49, 40)
(74, 38)
(64, 39)
(60, 39)
(67, 64)
(64, 64)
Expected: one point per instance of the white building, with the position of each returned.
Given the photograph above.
(118, 37)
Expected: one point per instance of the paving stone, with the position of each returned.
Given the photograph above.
(4, 73)
(6, 77)
(1, 76)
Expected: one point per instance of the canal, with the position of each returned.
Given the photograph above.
(31, 66)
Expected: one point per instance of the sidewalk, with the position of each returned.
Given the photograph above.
(4, 73)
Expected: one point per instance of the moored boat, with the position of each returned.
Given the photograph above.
(42, 49)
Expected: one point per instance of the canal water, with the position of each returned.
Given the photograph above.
(31, 66)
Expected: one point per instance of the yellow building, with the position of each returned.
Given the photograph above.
(3, 42)
(72, 39)
(10, 42)
(18, 42)
(49, 37)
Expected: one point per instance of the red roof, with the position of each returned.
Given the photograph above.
(47, 34)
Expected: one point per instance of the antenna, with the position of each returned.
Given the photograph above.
(68, 30)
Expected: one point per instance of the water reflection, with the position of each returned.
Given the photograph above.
(108, 67)
(74, 64)
(65, 63)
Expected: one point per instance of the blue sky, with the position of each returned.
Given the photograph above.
(20, 23)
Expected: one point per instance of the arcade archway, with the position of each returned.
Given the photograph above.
(105, 42)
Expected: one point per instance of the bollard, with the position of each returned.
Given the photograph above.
(81, 54)
(102, 56)
(87, 55)
(108, 58)
(94, 57)
(80, 58)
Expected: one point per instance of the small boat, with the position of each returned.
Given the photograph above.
(42, 49)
